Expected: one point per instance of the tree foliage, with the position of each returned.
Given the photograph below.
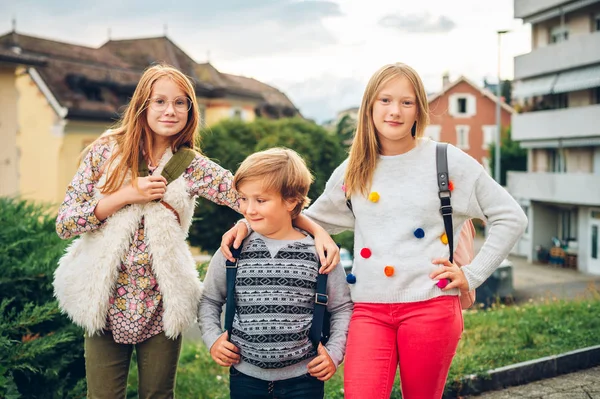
(512, 157)
(41, 351)
(230, 142)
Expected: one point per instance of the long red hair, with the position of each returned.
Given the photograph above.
(134, 137)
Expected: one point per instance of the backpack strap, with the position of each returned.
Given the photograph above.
(178, 163)
(320, 328)
(231, 268)
(445, 194)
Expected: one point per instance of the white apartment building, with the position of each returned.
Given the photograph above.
(557, 90)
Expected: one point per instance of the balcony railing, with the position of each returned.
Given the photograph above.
(557, 124)
(559, 188)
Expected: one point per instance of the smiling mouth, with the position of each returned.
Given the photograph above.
(169, 122)
(394, 123)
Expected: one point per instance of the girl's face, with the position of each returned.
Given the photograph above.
(394, 114)
(168, 108)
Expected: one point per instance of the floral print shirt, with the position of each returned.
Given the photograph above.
(136, 307)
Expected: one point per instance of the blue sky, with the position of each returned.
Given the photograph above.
(320, 53)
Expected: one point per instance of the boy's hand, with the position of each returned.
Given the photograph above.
(328, 251)
(234, 235)
(224, 352)
(452, 272)
(322, 366)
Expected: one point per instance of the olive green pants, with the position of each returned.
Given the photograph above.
(107, 366)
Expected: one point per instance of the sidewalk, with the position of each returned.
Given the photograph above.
(544, 281)
(583, 384)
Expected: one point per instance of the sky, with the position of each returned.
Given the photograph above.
(321, 53)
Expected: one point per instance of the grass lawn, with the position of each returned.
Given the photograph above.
(499, 336)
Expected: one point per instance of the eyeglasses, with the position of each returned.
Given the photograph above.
(180, 104)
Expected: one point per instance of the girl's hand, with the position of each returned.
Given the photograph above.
(150, 188)
(224, 352)
(321, 367)
(451, 272)
(234, 235)
(328, 251)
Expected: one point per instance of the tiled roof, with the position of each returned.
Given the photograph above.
(97, 82)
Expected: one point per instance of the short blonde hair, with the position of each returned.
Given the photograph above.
(281, 170)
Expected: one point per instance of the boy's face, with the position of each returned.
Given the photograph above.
(266, 211)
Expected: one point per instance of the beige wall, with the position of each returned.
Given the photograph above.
(78, 135)
(579, 98)
(579, 23)
(39, 141)
(580, 160)
(218, 110)
(9, 172)
(540, 160)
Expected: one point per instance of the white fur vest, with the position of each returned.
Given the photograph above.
(87, 272)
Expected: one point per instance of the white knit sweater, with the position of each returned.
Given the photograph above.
(408, 201)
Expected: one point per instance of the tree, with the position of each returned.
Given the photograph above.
(230, 142)
(345, 130)
(512, 157)
(41, 351)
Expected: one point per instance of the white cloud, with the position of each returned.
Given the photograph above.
(320, 52)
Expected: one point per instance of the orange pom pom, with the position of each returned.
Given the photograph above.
(450, 186)
(389, 271)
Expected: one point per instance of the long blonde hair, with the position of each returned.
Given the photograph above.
(365, 147)
(134, 137)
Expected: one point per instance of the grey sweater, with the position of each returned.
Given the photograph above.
(275, 291)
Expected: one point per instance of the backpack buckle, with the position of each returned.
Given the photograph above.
(446, 210)
(321, 299)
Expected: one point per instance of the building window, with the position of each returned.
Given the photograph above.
(560, 100)
(462, 105)
(567, 219)
(556, 160)
(596, 23)
(596, 95)
(237, 113)
(462, 137)
(559, 34)
(489, 136)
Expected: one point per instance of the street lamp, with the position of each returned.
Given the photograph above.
(498, 119)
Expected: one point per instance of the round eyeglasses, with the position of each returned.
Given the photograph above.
(180, 104)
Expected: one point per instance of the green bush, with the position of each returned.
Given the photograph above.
(229, 142)
(41, 351)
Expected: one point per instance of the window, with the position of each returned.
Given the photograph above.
(567, 219)
(596, 95)
(236, 113)
(556, 160)
(559, 34)
(462, 137)
(489, 135)
(461, 105)
(560, 100)
(596, 23)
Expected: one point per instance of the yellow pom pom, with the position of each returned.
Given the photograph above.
(374, 196)
(444, 239)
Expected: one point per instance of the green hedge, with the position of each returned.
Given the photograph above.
(41, 351)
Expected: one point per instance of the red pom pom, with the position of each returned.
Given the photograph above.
(450, 186)
(365, 253)
(442, 283)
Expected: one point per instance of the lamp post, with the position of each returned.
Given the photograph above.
(498, 119)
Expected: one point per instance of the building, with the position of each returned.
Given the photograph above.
(56, 98)
(464, 115)
(557, 90)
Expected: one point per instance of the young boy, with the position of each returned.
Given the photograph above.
(270, 353)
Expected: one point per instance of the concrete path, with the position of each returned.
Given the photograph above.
(583, 384)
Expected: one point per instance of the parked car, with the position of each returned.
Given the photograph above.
(346, 260)
(499, 286)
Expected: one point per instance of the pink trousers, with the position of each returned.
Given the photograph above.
(421, 337)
